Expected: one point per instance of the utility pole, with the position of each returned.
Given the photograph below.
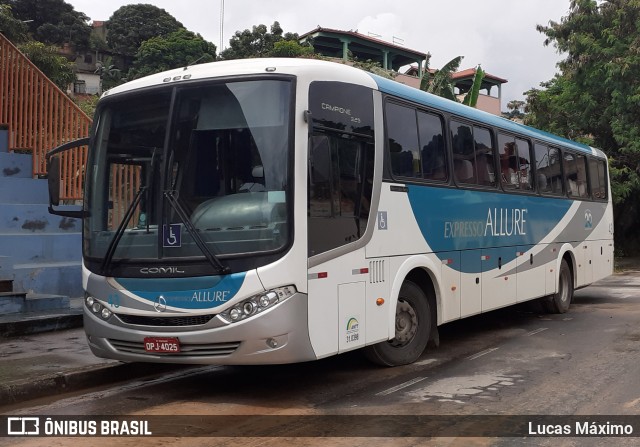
(221, 25)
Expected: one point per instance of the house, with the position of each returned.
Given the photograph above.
(489, 99)
(342, 44)
(348, 45)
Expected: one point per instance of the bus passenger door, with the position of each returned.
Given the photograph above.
(531, 274)
(498, 284)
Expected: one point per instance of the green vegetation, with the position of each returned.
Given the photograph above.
(262, 42)
(52, 22)
(131, 25)
(14, 29)
(595, 98)
(440, 82)
(178, 49)
(46, 58)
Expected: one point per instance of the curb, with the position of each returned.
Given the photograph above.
(34, 325)
(79, 379)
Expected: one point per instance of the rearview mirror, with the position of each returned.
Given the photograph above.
(54, 178)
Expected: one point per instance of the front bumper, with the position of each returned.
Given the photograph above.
(279, 335)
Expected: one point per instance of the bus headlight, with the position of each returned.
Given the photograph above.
(256, 304)
(97, 308)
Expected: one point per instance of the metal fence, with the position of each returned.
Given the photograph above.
(40, 117)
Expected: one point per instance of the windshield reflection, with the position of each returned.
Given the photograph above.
(224, 161)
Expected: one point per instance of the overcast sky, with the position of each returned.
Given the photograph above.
(498, 34)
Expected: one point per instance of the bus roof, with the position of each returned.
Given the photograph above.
(309, 68)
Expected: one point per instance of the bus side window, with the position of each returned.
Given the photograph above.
(543, 175)
(508, 161)
(597, 171)
(548, 172)
(402, 134)
(523, 151)
(431, 133)
(464, 160)
(557, 184)
(483, 144)
(576, 175)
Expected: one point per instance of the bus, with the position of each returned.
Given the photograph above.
(274, 211)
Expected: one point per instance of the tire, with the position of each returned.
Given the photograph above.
(413, 326)
(559, 302)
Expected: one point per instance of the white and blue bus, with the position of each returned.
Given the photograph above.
(286, 210)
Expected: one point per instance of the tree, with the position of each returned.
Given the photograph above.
(13, 29)
(53, 22)
(371, 66)
(596, 96)
(290, 48)
(130, 25)
(257, 42)
(515, 110)
(46, 58)
(87, 104)
(178, 49)
(110, 75)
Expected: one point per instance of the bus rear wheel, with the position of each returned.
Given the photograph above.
(559, 302)
(412, 326)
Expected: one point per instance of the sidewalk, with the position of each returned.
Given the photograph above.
(57, 359)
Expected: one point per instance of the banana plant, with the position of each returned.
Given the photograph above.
(471, 99)
(440, 83)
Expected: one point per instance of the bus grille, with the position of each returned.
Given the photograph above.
(186, 350)
(376, 271)
(192, 320)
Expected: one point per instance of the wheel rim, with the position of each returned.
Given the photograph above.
(406, 324)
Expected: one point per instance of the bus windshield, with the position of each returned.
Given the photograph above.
(190, 172)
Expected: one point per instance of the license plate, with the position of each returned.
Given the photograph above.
(161, 345)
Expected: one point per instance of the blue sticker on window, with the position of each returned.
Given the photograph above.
(171, 235)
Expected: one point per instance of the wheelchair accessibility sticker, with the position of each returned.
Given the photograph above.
(171, 235)
(382, 220)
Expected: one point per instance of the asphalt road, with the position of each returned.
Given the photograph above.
(515, 361)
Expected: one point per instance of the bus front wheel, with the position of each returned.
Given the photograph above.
(559, 302)
(412, 329)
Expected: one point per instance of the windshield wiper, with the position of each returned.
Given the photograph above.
(120, 230)
(129, 214)
(213, 260)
